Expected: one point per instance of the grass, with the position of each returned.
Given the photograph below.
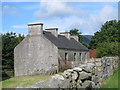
(23, 81)
(7, 74)
(112, 82)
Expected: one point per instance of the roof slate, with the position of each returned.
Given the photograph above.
(63, 43)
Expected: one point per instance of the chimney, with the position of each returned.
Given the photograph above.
(66, 34)
(54, 31)
(75, 37)
(35, 29)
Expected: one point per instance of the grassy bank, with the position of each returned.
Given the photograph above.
(112, 82)
(23, 81)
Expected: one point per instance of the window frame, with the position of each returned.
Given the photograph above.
(86, 57)
(66, 56)
(80, 56)
(74, 56)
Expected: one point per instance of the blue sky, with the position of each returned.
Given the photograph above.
(85, 16)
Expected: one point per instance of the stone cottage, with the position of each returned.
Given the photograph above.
(47, 52)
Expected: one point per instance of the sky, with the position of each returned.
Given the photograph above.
(87, 17)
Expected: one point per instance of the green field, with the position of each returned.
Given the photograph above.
(112, 82)
(23, 81)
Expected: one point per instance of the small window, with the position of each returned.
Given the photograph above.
(66, 56)
(85, 56)
(80, 56)
(74, 56)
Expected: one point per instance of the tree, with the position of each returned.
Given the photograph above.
(107, 39)
(76, 32)
(108, 33)
(108, 49)
(9, 42)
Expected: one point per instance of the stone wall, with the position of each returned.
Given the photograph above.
(105, 66)
(88, 75)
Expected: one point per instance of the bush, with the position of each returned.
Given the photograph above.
(108, 49)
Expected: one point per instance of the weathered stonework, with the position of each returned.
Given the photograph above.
(80, 77)
(31, 56)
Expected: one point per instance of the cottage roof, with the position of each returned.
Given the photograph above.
(63, 43)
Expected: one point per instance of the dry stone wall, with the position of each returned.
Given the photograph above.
(89, 75)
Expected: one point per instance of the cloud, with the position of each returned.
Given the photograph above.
(19, 26)
(9, 10)
(93, 22)
(87, 24)
(108, 13)
(52, 9)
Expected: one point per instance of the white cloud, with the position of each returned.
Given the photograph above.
(93, 23)
(108, 13)
(51, 9)
(19, 26)
(88, 24)
(9, 10)
(85, 22)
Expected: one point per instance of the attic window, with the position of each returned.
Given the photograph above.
(66, 56)
(74, 56)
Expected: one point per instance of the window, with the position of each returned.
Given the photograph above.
(80, 56)
(74, 56)
(85, 56)
(66, 56)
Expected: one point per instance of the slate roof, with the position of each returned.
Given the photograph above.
(63, 43)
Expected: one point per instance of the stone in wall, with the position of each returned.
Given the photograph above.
(89, 67)
(87, 84)
(84, 76)
(67, 74)
(74, 75)
(95, 79)
(79, 84)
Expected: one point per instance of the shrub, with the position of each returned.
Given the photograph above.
(108, 49)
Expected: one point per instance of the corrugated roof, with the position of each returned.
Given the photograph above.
(63, 43)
